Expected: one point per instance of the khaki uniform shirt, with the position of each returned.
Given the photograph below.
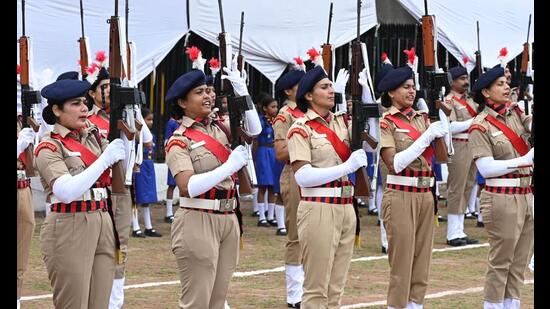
(54, 160)
(20, 165)
(181, 155)
(305, 144)
(283, 121)
(486, 140)
(392, 137)
(459, 112)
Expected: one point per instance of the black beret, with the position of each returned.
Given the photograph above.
(289, 79)
(487, 78)
(103, 74)
(65, 89)
(309, 80)
(386, 67)
(184, 84)
(68, 75)
(394, 78)
(456, 72)
(209, 80)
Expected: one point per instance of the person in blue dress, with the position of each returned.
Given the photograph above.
(268, 170)
(145, 185)
(172, 125)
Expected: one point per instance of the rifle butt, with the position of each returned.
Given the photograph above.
(525, 58)
(441, 155)
(118, 178)
(428, 41)
(361, 182)
(24, 59)
(83, 56)
(327, 59)
(245, 187)
(29, 156)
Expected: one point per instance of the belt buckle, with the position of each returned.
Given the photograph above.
(98, 194)
(226, 205)
(346, 191)
(525, 181)
(423, 182)
(21, 175)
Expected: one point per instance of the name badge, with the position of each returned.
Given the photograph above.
(101, 131)
(319, 135)
(73, 153)
(197, 144)
(461, 107)
(497, 133)
(402, 130)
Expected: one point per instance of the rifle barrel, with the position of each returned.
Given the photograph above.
(426, 6)
(358, 20)
(126, 21)
(329, 23)
(221, 15)
(82, 17)
(241, 34)
(478, 48)
(528, 28)
(23, 15)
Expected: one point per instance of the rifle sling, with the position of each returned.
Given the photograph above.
(414, 134)
(519, 144)
(340, 147)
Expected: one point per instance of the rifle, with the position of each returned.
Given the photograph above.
(479, 68)
(435, 79)
(121, 119)
(525, 80)
(236, 106)
(30, 99)
(240, 58)
(327, 49)
(84, 47)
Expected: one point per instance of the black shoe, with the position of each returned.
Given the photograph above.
(272, 222)
(256, 214)
(373, 212)
(470, 241)
(281, 232)
(384, 250)
(296, 305)
(457, 242)
(169, 219)
(480, 224)
(362, 204)
(152, 233)
(441, 219)
(263, 223)
(378, 223)
(138, 234)
(470, 215)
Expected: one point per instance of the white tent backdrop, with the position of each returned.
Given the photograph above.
(502, 23)
(274, 33)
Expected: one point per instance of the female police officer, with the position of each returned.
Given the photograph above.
(205, 231)
(77, 239)
(407, 205)
(318, 146)
(498, 144)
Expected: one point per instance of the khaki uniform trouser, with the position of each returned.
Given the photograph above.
(291, 198)
(509, 223)
(206, 247)
(326, 233)
(461, 179)
(79, 252)
(122, 210)
(409, 221)
(25, 229)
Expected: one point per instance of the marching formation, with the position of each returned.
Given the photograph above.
(330, 144)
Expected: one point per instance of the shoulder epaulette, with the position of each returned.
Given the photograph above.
(175, 142)
(279, 118)
(45, 145)
(476, 127)
(295, 130)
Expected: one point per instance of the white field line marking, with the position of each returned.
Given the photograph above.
(434, 295)
(239, 274)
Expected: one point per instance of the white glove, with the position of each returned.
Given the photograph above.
(237, 81)
(309, 176)
(422, 106)
(366, 95)
(25, 138)
(489, 167)
(67, 188)
(252, 122)
(341, 81)
(147, 136)
(200, 183)
(403, 158)
(460, 126)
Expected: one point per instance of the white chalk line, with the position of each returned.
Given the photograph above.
(429, 296)
(240, 274)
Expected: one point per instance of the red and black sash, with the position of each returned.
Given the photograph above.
(86, 155)
(414, 134)
(216, 148)
(340, 147)
(465, 104)
(519, 144)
